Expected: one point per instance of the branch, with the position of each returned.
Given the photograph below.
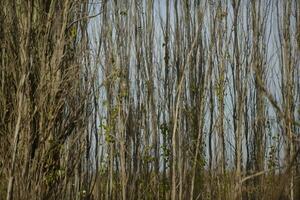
(83, 18)
(258, 174)
(277, 108)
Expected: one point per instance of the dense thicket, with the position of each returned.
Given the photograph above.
(45, 100)
(149, 99)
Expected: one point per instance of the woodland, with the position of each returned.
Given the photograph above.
(149, 99)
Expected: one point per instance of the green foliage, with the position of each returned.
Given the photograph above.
(123, 13)
(165, 148)
(164, 130)
(54, 175)
(108, 133)
(147, 157)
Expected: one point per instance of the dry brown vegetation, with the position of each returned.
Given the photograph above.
(149, 99)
